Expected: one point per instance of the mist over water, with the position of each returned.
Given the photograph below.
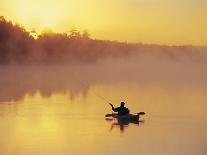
(144, 71)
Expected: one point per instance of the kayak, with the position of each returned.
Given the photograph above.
(126, 117)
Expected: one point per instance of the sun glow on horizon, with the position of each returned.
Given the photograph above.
(36, 15)
(150, 21)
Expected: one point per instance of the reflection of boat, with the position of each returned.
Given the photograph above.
(124, 121)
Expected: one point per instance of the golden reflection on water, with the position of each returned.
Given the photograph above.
(46, 125)
(59, 125)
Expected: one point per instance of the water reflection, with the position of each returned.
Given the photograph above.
(17, 81)
(122, 124)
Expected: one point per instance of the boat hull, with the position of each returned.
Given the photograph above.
(126, 117)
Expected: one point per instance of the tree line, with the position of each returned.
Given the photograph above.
(17, 46)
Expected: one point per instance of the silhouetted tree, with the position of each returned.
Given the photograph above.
(86, 34)
(73, 33)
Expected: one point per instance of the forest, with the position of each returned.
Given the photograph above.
(18, 46)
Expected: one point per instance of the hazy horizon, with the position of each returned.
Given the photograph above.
(49, 31)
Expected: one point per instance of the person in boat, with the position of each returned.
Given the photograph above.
(122, 110)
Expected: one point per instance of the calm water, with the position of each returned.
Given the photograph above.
(56, 110)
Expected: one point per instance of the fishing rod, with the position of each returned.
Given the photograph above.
(106, 100)
(101, 97)
(97, 95)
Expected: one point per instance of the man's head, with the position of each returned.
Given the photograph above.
(122, 104)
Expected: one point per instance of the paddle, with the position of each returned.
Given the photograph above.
(141, 113)
(110, 115)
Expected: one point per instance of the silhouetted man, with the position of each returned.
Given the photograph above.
(122, 110)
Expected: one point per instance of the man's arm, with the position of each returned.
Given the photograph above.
(114, 109)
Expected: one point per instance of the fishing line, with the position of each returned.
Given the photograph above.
(96, 94)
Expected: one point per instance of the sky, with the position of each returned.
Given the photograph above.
(171, 22)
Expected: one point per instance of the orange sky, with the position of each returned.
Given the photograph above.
(148, 21)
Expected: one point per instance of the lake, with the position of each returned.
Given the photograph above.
(60, 110)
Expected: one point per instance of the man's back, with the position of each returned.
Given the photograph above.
(122, 110)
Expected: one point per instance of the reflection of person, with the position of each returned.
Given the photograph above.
(122, 110)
